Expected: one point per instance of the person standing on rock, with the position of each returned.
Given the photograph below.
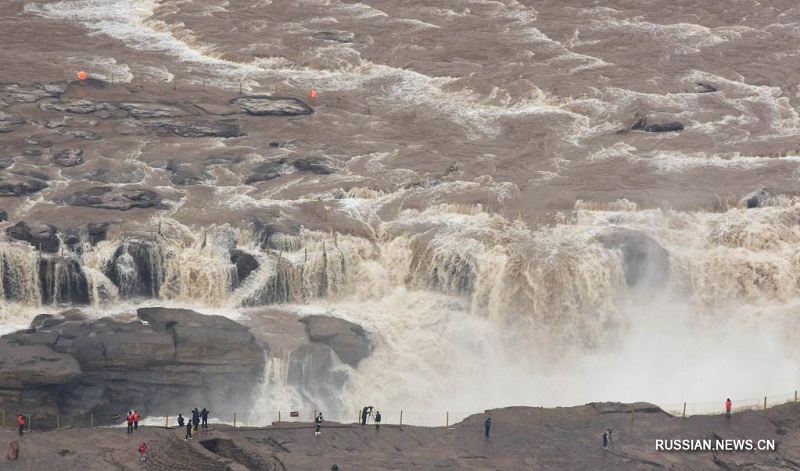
(136, 420)
(487, 425)
(130, 422)
(728, 405)
(377, 420)
(188, 431)
(319, 420)
(204, 415)
(143, 451)
(195, 418)
(21, 422)
(605, 440)
(181, 421)
(364, 416)
(610, 440)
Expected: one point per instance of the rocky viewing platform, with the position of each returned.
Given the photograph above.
(520, 438)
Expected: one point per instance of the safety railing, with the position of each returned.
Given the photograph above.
(8, 416)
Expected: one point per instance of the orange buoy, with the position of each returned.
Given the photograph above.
(312, 94)
(82, 75)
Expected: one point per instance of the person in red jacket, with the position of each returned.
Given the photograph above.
(728, 408)
(136, 420)
(21, 421)
(143, 451)
(130, 422)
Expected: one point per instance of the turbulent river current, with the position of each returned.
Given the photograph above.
(523, 203)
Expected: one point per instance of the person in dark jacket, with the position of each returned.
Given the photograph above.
(188, 431)
(377, 420)
(364, 416)
(181, 420)
(319, 420)
(195, 418)
(204, 416)
(487, 425)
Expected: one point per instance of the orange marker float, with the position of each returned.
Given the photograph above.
(82, 75)
(312, 94)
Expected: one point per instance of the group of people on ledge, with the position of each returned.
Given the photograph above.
(198, 417)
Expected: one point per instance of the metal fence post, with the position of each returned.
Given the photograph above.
(447, 419)
(765, 402)
(684, 410)
(401, 417)
(234, 419)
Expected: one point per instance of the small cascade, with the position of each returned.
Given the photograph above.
(19, 267)
(137, 267)
(62, 280)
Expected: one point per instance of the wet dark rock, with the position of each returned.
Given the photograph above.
(162, 361)
(121, 199)
(152, 110)
(44, 321)
(313, 165)
(646, 262)
(348, 340)
(78, 134)
(97, 232)
(102, 175)
(222, 160)
(40, 235)
(4, 128)
(267, 171)
(32, 174)
(39, 141)
(706, 88)
(10, 186)
(69, 157)
(10, 120)
(664, 127)
(77, 106)
(267, 231)
(57, 123)
(89, 82)
(6, 162)
(3, 215)
(208, 129)
(640, 123)
(245, 264)
(758, 199)
(338, 36)
(261, 177)
(33, 93)
(186, 174)
(266, 105)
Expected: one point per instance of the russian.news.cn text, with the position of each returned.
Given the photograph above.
(707, 444)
